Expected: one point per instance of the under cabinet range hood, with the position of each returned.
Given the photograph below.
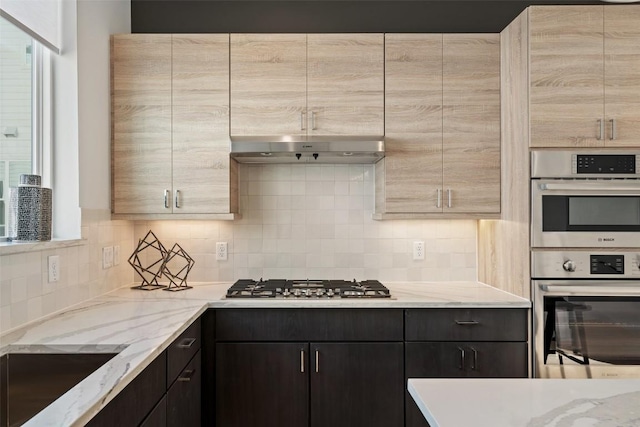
(307, 149)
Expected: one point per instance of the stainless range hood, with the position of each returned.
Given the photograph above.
(307, 149)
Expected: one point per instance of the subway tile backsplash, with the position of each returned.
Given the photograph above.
(314, 221)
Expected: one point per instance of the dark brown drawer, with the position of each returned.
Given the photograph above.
(476, 324)
(181, 351)
(310, 324)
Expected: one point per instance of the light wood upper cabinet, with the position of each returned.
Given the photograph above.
(345, 84)
(170, 139)
(584, 86)
(622, 75)
(442, 123)
(141, 122)
(299, 84)
(471, 123)
(268, 84)
(413, 125)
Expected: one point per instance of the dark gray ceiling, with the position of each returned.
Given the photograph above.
(327, 16)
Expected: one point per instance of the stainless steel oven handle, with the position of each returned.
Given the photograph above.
(592, 289)
(591, 185)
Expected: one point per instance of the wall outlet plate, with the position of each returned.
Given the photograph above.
(107, 257)
(221, 251)
(418, 250)
(116, 255)
(53, 262)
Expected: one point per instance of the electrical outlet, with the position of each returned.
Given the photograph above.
(418, 250)
(116, 255)
(54, 268)
(221, 251)
(107, 257)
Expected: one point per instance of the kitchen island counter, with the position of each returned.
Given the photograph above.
(528, 402)
(142, 324)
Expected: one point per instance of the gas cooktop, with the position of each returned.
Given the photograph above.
(325, 289)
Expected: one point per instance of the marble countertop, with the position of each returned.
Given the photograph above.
(142, 324)
(528, 402)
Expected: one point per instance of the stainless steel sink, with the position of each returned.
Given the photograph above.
(29, 382)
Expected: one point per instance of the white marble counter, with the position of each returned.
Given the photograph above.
(142, 324)
(528, 402)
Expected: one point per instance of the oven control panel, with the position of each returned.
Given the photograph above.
(585, 264)
(604, 164)
(607, 264)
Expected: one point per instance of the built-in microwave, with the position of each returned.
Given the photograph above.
(581, 199)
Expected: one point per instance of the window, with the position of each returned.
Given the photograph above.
(21, 91)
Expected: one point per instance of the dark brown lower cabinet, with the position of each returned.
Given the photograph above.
(309, 384)
(262, 384)
(461, 359)
(157, 417)
(356, 384)
(183, 397)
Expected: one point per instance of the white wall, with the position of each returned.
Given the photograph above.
(97, 19)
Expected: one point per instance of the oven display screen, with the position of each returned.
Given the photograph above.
(607, 264)
(606, 164)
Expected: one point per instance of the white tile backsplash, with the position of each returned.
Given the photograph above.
(314, 221)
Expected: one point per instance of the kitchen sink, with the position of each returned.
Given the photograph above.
(29, 382)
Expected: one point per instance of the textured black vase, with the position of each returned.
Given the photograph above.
(29, 211)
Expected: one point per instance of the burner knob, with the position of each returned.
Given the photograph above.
(569, 266)
(296, 292)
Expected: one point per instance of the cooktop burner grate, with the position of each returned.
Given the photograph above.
(282, 288)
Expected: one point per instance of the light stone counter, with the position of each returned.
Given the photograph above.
(528, 402)
(142, 324)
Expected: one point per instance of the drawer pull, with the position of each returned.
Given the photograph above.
(187, 375)
(461, 367)
(467, 322)
(186, 343)
(475, 359)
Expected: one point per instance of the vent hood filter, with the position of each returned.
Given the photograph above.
(307, 149)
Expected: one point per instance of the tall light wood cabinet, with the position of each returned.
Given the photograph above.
(442, 123)
(306, 84)
(170, 140)
(584, 89)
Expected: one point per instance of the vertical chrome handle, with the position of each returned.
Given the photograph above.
(317, 361)
(178, 199)
(601, 126)
(613, 129)
(302, 120)
(439, 196)
(475, 359)
(302, 361)
(313, 120)
(166, 199)
(461, 367)
(448, 197)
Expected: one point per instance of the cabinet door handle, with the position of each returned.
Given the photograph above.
(302, 120)
(186, 343)
(439, 198)
(461, 367)
(449, 198)
(613, 129)
(313, 120)
(475, 359)
(467, 322)
(601, 131)
(188, 374)
(317, 361)
(178, 199)
(166, 199)
(302, 361)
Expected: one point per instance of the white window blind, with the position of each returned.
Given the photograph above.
(39, 18)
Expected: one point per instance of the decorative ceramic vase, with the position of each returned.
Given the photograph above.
(29, 211)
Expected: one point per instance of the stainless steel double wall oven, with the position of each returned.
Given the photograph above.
(585, 257)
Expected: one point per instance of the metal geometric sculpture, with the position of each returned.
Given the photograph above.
(154, 254)
(177, 266)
